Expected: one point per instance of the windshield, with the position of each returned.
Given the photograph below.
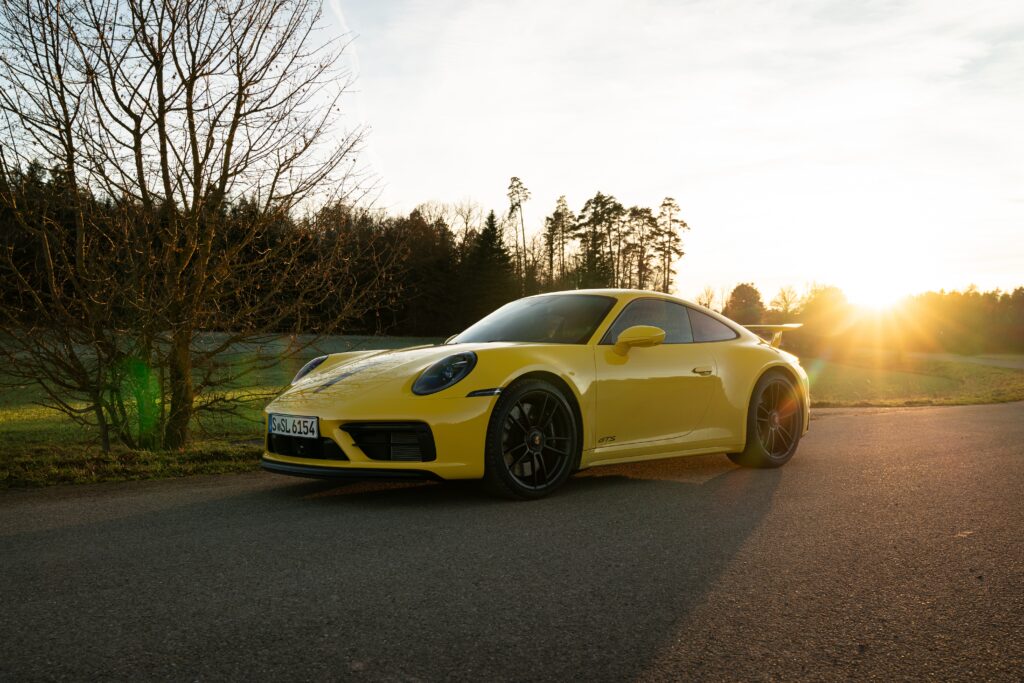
(560, 319)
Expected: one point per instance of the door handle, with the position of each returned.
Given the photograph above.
(703, 370)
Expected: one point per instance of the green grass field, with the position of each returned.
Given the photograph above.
(43, 447)
(880, 379)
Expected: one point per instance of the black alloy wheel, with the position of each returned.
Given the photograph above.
(774, 423)
(776, 418)
(532, 440)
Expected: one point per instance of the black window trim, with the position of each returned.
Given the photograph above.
(735, 332)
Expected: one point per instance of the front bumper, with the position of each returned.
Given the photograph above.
(458, 426)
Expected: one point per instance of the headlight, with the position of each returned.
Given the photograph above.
(308, 368)
(444, 373)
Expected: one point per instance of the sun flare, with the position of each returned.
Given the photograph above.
(878, 295)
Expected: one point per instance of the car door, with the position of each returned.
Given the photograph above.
(653, 393)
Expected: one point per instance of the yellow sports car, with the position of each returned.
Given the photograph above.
(543, 387)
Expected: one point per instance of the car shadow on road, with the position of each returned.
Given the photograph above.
(397, 580)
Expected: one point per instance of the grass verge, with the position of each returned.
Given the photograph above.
(47, 464)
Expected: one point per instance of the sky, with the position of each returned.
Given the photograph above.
(875, 146)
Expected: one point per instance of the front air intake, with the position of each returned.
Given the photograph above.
(393, 441)
(323, 448)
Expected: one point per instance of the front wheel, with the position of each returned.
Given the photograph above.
(532, 441)
(774, 423)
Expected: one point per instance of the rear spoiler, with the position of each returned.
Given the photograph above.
(776, 331)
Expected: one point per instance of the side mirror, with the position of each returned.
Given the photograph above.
(638, 335)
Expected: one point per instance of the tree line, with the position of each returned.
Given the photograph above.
(431, 272)
(964, 322)
(460, 263)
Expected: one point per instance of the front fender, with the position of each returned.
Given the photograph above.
(572, 364)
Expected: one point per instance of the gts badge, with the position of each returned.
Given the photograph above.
(606, 440)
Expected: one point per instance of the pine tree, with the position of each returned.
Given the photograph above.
(517, 195)
(641, 235)
(428, 268)
(593, 229)
(557, 230)
(490, 280)
(669, 240)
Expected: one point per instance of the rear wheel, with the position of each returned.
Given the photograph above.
(774, 423)
(532, 441)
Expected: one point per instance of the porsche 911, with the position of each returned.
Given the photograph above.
(541, 388)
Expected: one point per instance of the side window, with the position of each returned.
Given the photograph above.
(707, 329)
(669, 316)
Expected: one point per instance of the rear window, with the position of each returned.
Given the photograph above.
(707, 329)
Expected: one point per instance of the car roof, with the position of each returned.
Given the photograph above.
(623, 294)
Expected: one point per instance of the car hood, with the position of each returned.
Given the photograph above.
(363, 373)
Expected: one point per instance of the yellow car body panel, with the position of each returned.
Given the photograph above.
(660, 401)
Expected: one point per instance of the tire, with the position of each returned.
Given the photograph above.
(533, 441)
(774, 423)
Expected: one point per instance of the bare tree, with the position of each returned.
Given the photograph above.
(469, 220)
(787, 301)
(464, 218)
(706, 297)
(436, 212)
(187, 135)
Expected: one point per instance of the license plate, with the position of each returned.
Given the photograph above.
(294, 425)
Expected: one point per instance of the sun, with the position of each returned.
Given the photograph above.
(877, 295)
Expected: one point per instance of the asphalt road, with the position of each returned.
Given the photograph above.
(891, 547)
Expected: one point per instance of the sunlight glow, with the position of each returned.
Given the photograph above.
(874, 294)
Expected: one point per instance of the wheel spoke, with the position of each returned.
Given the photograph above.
(543, 465)
(515, 448)
(540, 423)
(555, 450)
(518, 420)
(783, 432)
(555, 409)
(521, 460)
